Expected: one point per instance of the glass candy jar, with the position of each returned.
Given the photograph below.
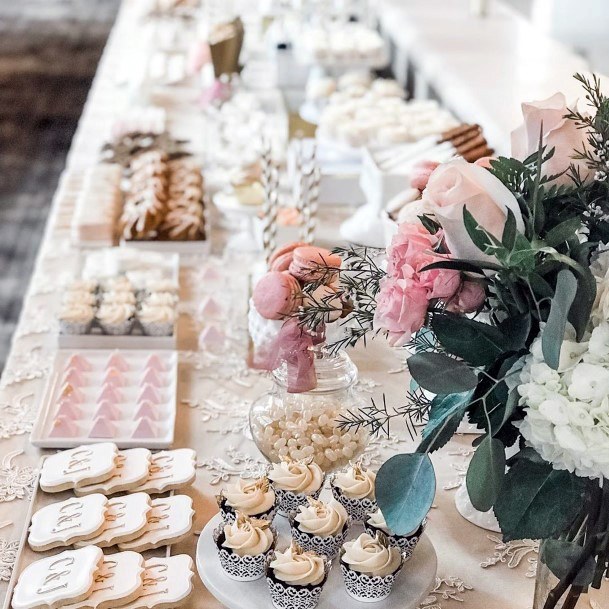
(306, 425)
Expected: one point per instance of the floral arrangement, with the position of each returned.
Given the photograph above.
(501, 293)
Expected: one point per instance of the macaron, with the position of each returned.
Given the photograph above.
(328, 297)
(277, 295)
(282, 257)
(311, 263)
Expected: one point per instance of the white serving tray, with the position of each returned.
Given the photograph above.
(124, 426)
(97, 340)
(174, 247)
(412, 586)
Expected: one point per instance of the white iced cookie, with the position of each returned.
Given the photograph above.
(119, 581)
(167, 583)
(78, 467)
(169, 470)
(58, 580)
(66, 522)
(126, 519)
(169, 521)
(132, 468)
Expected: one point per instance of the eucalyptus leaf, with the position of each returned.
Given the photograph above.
(485, 474)
(478, 235)
(440, 373)
(560, 556)
(445, 414)
(562, 232)
(554, 332)
(537, 501)
(509, 230)
(405, 490)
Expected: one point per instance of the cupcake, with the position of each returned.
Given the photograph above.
(294, 481)
(118, 284)
(116, 318)
(375, 522)
(321, 527)
(370, 566)
(163, 299)
(157, 320)
(296, 578)
(243, 546)
(79, 297)
(161, 285)
(82, 285)
(354, 488)
(76, 318)
(122, 297)
(251, 498)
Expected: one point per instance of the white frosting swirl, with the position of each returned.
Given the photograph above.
(356, 482)
(79, 297)
(118, 284)
(166, 299)
(322, 519)
(156, 314)
(377, 520)
(297, 476)
(123, 297)
(82, 285)
(77, 313)
(161, 285)
(368, 555)
(248, 537)
(298, 568)
(250, 498)
(115, 313)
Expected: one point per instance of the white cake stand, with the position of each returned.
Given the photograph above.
(244, 240)
(412, 586)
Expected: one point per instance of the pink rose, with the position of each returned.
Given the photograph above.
(420, 173)
(400, 309)
(458, 184)
(485, 161)
(558, 133)
(469, 298)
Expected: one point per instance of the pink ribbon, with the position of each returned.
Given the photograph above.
(292, 345)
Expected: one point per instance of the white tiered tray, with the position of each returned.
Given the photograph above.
(412, 586)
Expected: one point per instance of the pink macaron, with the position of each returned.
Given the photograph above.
(312, 263)
(282, 257)
(277, 295)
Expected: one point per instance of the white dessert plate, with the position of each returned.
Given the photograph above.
(412, 586)
(126, 417)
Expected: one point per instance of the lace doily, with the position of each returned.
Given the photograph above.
(8, 556)
(15, 482)
(237, 463)
(17, 416)
(446, 589)
(512, 553)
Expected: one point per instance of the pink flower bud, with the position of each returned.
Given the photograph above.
(420, 173)
(469, 298)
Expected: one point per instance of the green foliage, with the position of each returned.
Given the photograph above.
(440, 373)
(560, 556)
(485, 473)
(405, 490)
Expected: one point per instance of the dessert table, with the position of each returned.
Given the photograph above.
(215, 390)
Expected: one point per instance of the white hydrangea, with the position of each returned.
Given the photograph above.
(567, 410)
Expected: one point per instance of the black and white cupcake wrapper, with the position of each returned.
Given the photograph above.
(289, 500)
(118, 329)
(241, 568)
(358, 509)
(157, 328)
(328, 546)
(286, 596)
(75, 327)
(366, 588)
(406, 543)
(229, 514)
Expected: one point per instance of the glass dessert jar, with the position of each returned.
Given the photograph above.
(307, 425)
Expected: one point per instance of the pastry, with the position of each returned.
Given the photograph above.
(354, 488)
(252, 498)
(295, 481)
(375, 523)
(277, 295)
(312, 263)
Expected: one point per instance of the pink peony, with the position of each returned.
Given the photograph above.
(401, 308)
(547, 116)
(458, 184)
(420, 173)
(469, 298)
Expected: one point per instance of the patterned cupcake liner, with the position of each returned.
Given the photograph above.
(75, 327)
(157, 328)
(118, 329)
(286, 596)
(366, 588)
(288, 500)
(328, 546)
(406, 543)
(229, 514)
(241, 568)
(358, 509)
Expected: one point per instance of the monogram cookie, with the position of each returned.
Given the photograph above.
(66, 522)
(170, 470)
(132, 467)
(78, 467)
(167, 583)
(57, 580)
(126, 519)
(119, 581)
(170, 521)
